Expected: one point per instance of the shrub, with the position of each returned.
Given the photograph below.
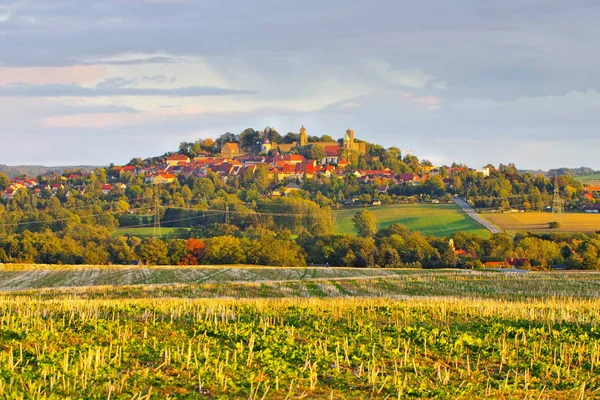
(554, 225)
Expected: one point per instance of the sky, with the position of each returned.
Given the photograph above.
(472, 81)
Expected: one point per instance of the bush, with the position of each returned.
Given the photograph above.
(554, 225)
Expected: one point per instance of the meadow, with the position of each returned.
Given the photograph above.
(429, 219)
(589, 179)
(145, 232)
(538, 221)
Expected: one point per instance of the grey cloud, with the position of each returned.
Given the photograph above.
(72, 90)
(116, 83)
(504, 56)
(133, 61)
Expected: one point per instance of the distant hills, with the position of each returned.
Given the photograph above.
(35, 170)
(582, 171)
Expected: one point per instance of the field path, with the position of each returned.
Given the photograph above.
(473, 214)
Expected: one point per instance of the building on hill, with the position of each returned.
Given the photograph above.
(334, 150)
(231, 150)
(176, 159)
(266, 145)
(163, 178)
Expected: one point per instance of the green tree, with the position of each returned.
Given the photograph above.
(365, 223)
(153, 251)
(224, 250)
(317, 152)
(4, 181)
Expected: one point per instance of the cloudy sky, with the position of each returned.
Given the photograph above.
(474, 81)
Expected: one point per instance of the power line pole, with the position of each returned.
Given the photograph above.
(227, 214)
(156, 227)
(558, 204)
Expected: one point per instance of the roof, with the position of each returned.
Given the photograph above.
(232, 146)
(332, 150)
(178, 157)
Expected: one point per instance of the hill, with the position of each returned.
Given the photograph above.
(581, 171)
(13, 171)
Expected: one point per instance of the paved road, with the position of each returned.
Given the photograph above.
(471, 213)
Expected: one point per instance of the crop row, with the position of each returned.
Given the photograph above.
(333, 348)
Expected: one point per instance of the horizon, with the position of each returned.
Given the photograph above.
(472, 82)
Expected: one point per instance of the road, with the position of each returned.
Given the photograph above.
(471, 213)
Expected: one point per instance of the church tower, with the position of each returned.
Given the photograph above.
(303, 137)
(266, 145)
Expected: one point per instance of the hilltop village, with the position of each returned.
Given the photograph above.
(370, 173)
(293, 159)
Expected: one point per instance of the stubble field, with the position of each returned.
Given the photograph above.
(538, 221)
(275, 333)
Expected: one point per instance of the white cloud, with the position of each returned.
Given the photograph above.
(382, 70)
(5, 14)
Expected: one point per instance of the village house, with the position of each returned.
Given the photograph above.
(177, 159)
(231, 150)
(128, 169)
(161, 179)
(106, 189)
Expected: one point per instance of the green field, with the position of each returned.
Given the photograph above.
(314, 333)
(429, 219)
(589, 179)
(144, 232)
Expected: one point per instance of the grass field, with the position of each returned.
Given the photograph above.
(538, 221)
(275, 333)
(429, 219)
(589, 179)
(143, 232)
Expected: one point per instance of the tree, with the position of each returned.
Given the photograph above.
(153, 251)
(249, 138)
(262, 177)
(291, 138)
(4, 181)
(194, 247)
(317, 152)
(224, 250)
(365, 223)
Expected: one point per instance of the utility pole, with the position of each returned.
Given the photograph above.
(558, 204)
(227, 214)
(156, 227)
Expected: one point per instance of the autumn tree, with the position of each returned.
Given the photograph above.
(365, 223)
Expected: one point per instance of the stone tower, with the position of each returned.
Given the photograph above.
(303, 137)
(349, 142)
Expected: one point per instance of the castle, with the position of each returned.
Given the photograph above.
(334, 150)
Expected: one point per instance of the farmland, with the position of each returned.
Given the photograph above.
(312, 348)
(538, 221)
(260, 332)
(145, 231)
(589, 179)
(429, 219)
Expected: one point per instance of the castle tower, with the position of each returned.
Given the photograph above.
(303, 137)
(350, 135)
